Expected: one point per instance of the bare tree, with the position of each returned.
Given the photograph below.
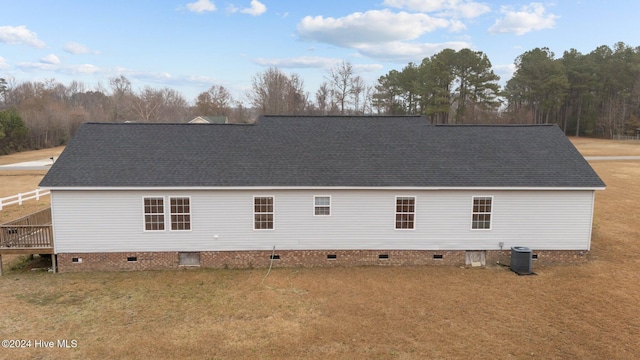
(9, 84)
(75, 87)
(164, 105)
(322, 98)
(215, 101)
(121, 97)
(94, 104)
(275, 93)
(173, 107)
(146, 104)
(4, 88)
(340, 79)
(367, 103)
(357, 93)
(267, 91)
(296, 97)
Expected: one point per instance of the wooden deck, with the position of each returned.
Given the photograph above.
(31, 234)
(26, 239)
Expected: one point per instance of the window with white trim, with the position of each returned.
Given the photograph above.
(154, 213)
(322, 205)
(263, 212)
(481, 215)
(405, 212)
(180, 213)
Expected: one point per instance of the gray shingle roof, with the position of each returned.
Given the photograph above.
(320, 151)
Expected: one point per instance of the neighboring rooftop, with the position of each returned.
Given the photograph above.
(209, 120)
(285, 151)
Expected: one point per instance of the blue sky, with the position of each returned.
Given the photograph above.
(191, 45)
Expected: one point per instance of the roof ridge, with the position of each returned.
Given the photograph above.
(158, 124)
(343, 116)
(496, 125)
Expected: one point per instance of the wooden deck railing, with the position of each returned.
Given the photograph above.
(42, 217)
(25, 236)
(28, 233)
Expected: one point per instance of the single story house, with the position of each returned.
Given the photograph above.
(317, 191)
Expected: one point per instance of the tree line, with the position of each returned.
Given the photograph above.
(594, 94)
(585, 94)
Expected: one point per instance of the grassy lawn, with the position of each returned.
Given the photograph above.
(587, 311)
(31, 155)
(603, 147)
(14, 182)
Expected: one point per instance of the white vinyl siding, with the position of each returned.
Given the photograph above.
(99, 221)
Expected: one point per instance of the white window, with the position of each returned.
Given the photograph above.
(481, 215)
(405, 212)
(154, 213)
(322, 205)
(180, 213)
(263, 212)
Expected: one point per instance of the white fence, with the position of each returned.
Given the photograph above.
(626, 137)
(18, 199)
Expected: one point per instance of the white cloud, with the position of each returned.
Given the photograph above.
(3, 63)
(256, 8)
(313, 62)
(457, 25)
(25, 66)
(417, 5)
(529, 18)
(67, 69)
(50, 59)
(505, 71)
(471, 9)
(406, 52)
(381, 34)
(375, 26)
(362, 68)
(453, 8)
(201, 6)
(15, 35)
(299, 62)
(162, 78)
(75, 48)
(84, 69)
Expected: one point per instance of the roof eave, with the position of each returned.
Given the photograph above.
(260, 188)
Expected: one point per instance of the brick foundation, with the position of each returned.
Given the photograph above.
(128, 261)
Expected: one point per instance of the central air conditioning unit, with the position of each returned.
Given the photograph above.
(521, 259)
